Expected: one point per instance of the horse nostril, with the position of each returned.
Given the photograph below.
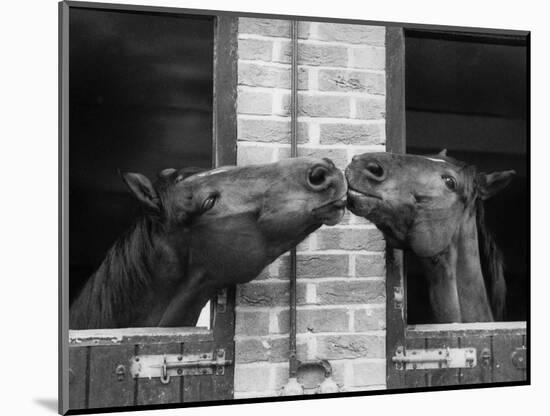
(375, 170)
(317, 176)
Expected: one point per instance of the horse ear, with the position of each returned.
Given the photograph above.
(443, 153)
(142, 188)
(492, 183)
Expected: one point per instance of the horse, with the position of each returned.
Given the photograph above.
(433, 207)
(203, 231)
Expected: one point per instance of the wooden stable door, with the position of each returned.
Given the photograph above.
(463, 354)
(147, 366)
(154, 366)
(433, 355)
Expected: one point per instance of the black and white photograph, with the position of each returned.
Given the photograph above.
(272, 208)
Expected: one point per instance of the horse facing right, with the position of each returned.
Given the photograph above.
(201, 232)
(433, 206)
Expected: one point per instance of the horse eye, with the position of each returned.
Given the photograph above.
(450, 182)
(208, 203)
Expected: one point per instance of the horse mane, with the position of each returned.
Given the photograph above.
(115, 288)
(492, 264)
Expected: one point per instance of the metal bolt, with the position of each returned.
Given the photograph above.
(137, 358)
(180, 357)
(220, 353)
(180, 371)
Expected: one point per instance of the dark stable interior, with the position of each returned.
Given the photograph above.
(470, 97)
(141, 88)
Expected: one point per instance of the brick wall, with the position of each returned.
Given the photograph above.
(341, 276)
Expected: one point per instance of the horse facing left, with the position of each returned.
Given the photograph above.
(433, 206)
(202, 231)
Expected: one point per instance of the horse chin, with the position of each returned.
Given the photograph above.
(331, 213)
(333, 217)
(361, 204)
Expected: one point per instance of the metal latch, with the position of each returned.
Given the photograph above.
(165, 366)
(422, 359)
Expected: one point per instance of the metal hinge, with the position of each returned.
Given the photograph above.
(221, 301)
(519, 358)
(422, 359)
(398, 297)
(165, 366)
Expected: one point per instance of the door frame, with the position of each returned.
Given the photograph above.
(398, 332)
(224, 152)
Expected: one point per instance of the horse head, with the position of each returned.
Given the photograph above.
(433, 206)
(223, 226)
(417, 201)
(241, 218)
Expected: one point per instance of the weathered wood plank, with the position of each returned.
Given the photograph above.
(132, 336)
(395, 90)
(224, 332)
(198, 388)
(153, 391)
(504, 349)
(225, 91)
(78, 376)
(106, 388)
(395, 316)
(465, 329)
(483, 372)
(416, 378)
(395, 142)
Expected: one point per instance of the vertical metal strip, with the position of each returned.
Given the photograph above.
(293, 362)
